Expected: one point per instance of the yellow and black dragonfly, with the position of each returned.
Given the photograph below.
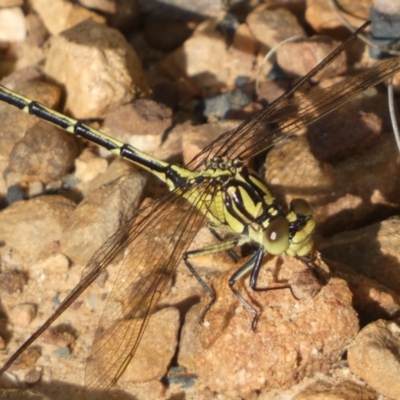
(216, 188)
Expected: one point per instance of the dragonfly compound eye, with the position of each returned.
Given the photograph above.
(277, 236)
(301, 207)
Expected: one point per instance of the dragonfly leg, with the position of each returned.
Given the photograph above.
(232, 253)
(216, 248)
(254, 263)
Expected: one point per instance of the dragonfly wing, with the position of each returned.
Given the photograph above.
(155, 245)
(288, 115)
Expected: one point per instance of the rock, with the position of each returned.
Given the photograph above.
(374, 357)
(344, 195)
(45, 151)
(51, 260)
(366, 248)
(220, 106)
(167, 36)
(37, 33)
(62, 15)
(197, 137)
(371, 299)
(293, 338)
(161, 336)
(99, 215)
(107, 6)
(12, 25)
(29, 226)
(196, 59)
(18, 122)
(272, 26)
(345, 390)
(168, 10)
(91, 52)
(10, 3)
(143, 124)
(13, 281)
(324, 19)
(22, 314)
(308, 53)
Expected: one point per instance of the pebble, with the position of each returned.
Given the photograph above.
(272, 26)
(161, 336)
(10, 3)
(220, 106)
(324, 19)
(92, 52)
(365, 248)
(99, 215)
(12, 25)
(29, 226)
(22, 314)
(374, 357)
(142, 124)
(307, 53)
(61, 15)
(297, 350)
(342, 194)
(45, 151)
(293, 338)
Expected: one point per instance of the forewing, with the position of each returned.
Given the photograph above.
(288, 115)
(155, 245)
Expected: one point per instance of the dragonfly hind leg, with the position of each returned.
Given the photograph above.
(213, 249)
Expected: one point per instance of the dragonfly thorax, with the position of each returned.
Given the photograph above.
(241, 202)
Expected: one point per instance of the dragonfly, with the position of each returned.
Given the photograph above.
(216, 189)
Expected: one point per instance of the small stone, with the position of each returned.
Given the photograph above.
(220, 106)
(293, 338)
(11, 3)
(91, 52)
(168, 10)
(324, 20)
(37, 33)
(12, 25)
(35, 188)
(107, 6)
(29, 226)
(51, 260)
(33, 376)
(196, 60)
(126, 15)
(60, 14)
(45, 151)
(197, 137)
(375, 357)
(308, 53)
(27, 360)
(166, 36)
(60, 336)
(99, 215)
(371, 300)
(142, 124)
(366, 248)
(272, 26)
(156, 348)
(2, 343)
(13, 281)
(344, 390)
(88, 166)
(22, 314)
(18, 122)
(342, 195)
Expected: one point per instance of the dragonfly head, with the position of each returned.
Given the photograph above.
(292, 233)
